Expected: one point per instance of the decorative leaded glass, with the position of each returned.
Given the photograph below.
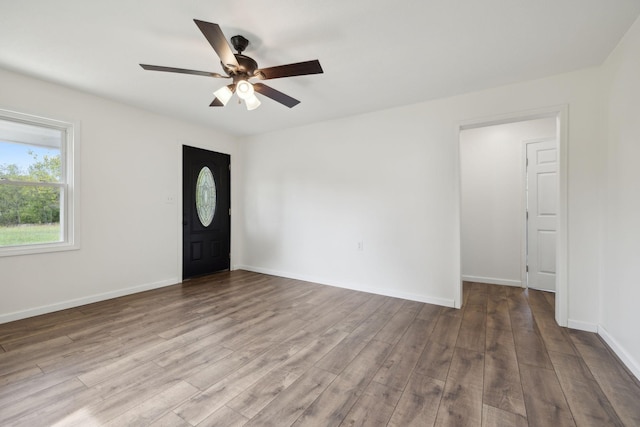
(205, 196)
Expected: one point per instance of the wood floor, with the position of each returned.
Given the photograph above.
(243, 348)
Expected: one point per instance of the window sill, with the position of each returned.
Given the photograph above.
(37, 249)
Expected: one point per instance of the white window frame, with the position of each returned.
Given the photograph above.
(69, 194)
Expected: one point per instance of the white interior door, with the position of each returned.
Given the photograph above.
(542, 210)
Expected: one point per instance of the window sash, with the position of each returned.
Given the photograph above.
(69, 205)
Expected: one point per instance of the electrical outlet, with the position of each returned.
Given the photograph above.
(361, 245)
(170, 200)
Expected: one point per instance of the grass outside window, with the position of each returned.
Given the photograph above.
(29, 234)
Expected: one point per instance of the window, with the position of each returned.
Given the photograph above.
(38, 206)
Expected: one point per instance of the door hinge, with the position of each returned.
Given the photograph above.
(229, 211)
(527, 215)
(527, 270)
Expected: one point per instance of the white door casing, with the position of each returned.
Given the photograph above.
(542, 211)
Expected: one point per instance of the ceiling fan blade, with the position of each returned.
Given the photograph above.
(183, 71)
(276, 95)
(289, 70)
(216, 103)
(216, 38)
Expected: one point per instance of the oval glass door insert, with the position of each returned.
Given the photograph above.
(205, 196)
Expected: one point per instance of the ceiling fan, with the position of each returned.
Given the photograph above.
(241, 68)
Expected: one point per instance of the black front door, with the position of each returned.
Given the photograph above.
(206, 199)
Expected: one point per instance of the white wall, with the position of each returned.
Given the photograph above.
(620, 288)
(129, 236)
(389, 178)
(311, 194)
(492, 195)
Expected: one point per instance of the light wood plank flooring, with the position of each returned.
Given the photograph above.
(240, 348)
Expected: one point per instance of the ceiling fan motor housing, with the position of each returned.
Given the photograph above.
(246, 67)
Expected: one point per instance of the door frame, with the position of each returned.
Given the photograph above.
(177, 200)
(525, 239)
(561, 114)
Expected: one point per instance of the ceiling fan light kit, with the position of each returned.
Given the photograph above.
(244, 89)
(224, 94)
(252, 102)
(241, 68)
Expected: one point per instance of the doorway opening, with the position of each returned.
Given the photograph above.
(497, 240)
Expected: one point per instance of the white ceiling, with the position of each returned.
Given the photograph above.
(376, 54)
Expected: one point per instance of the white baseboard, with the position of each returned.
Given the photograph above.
(492, 281)
(31, 312)
(626, 358)
(386, 292)
(582, 326)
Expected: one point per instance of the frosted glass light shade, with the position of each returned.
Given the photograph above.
(252, 102)
(244, 89)
(223, 94)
